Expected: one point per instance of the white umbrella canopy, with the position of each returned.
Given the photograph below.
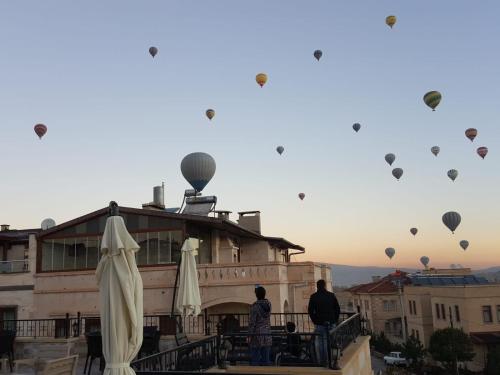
(188, 299)
(121, 301)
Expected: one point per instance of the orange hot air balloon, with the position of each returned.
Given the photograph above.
(261, 79)
(482, 151)
(40, 130)
(302, 196)
(471, 133)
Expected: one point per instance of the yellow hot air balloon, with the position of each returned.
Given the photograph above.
(210, 113)
(261, 79)
(390, 21)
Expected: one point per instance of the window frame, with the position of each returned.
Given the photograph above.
(487, 309)
(438, 311)
(457, 313)
(443, 311)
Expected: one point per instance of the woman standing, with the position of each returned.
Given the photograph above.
(259, 329)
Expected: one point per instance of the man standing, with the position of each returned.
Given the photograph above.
(324, 311)
(259, 328)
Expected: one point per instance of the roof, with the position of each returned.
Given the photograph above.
(17, 235)
(440, 280)
(385, 285)
(485, 337)
(213, 222)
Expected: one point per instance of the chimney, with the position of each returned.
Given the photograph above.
(250, 220)
(223, 214)
(4, 227)
(158, 202)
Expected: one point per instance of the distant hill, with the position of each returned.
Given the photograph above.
(346, 276)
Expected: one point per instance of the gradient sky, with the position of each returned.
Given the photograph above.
(120, 122)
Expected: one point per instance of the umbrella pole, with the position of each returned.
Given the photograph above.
(175, 284)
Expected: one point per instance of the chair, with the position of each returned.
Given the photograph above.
(94, 350)
(7, 339)
(181, 339)
(61, 366)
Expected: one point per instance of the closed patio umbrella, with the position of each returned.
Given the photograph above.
(120, 292)
(188, 299)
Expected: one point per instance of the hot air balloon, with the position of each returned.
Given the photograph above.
(390, 252)
(40, 130)
(261, 79)
(413, 231)
(397, 172)
(482, 151)
(452, 220)
(302, 196)
(432, 99)
(153, 51)
(318, 54)
(471, 133)
(389, 158)
(424, 260)
(280, 149)
(356, 127)
(452, 174)
(210, 114)
(390, 21)
(198, 169)
(464, 244)
(435, 150)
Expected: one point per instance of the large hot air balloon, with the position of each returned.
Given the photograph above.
(424, 260)
(452, 220)
(318, 54)
(452, 174)
(413, 231)
(40, 130)
(280, 149)
(390, 252)
(210, 114)
(464, 244)
(198, 169)
(435, 150)
(432, 99)
(356, 127)
(482, 151)
(390, 21)
(397, 172)
(389, 158)
(153, 51)
(302, 196)
(471, 133)
(261, 79)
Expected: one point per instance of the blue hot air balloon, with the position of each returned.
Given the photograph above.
(198, 169)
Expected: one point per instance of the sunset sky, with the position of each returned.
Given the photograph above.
(120, 122)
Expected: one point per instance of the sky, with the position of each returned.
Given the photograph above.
(120, 122)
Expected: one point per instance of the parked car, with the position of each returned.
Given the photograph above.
(395, 359)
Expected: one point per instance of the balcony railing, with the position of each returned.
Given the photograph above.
(14, 266)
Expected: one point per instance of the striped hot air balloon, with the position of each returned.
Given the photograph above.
(471, 133)
(40, 130)
(390, 252)
(452, 174)
(198, 169)
(261, 79)
(432, 99)
(452, 220)
(390, 21)
(482, 151)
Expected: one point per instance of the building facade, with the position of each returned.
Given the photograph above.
(56, 275)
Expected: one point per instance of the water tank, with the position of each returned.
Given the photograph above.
(159, 195)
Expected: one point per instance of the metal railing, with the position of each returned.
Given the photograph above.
(14, 266)
(341, 336)
(203, 324)
(196, 356)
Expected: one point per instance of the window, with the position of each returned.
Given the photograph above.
(498, 313)
(415, 307)
(443, 312)
(7, 315)
(487, 317)
(367, 306)
(457, 313)
(389, 305)
(438, 312)
(411, 307)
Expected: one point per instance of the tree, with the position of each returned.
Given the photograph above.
(414, 351)
(450, 346)
(493, 363)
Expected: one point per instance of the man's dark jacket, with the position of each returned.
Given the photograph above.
(324, 308)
